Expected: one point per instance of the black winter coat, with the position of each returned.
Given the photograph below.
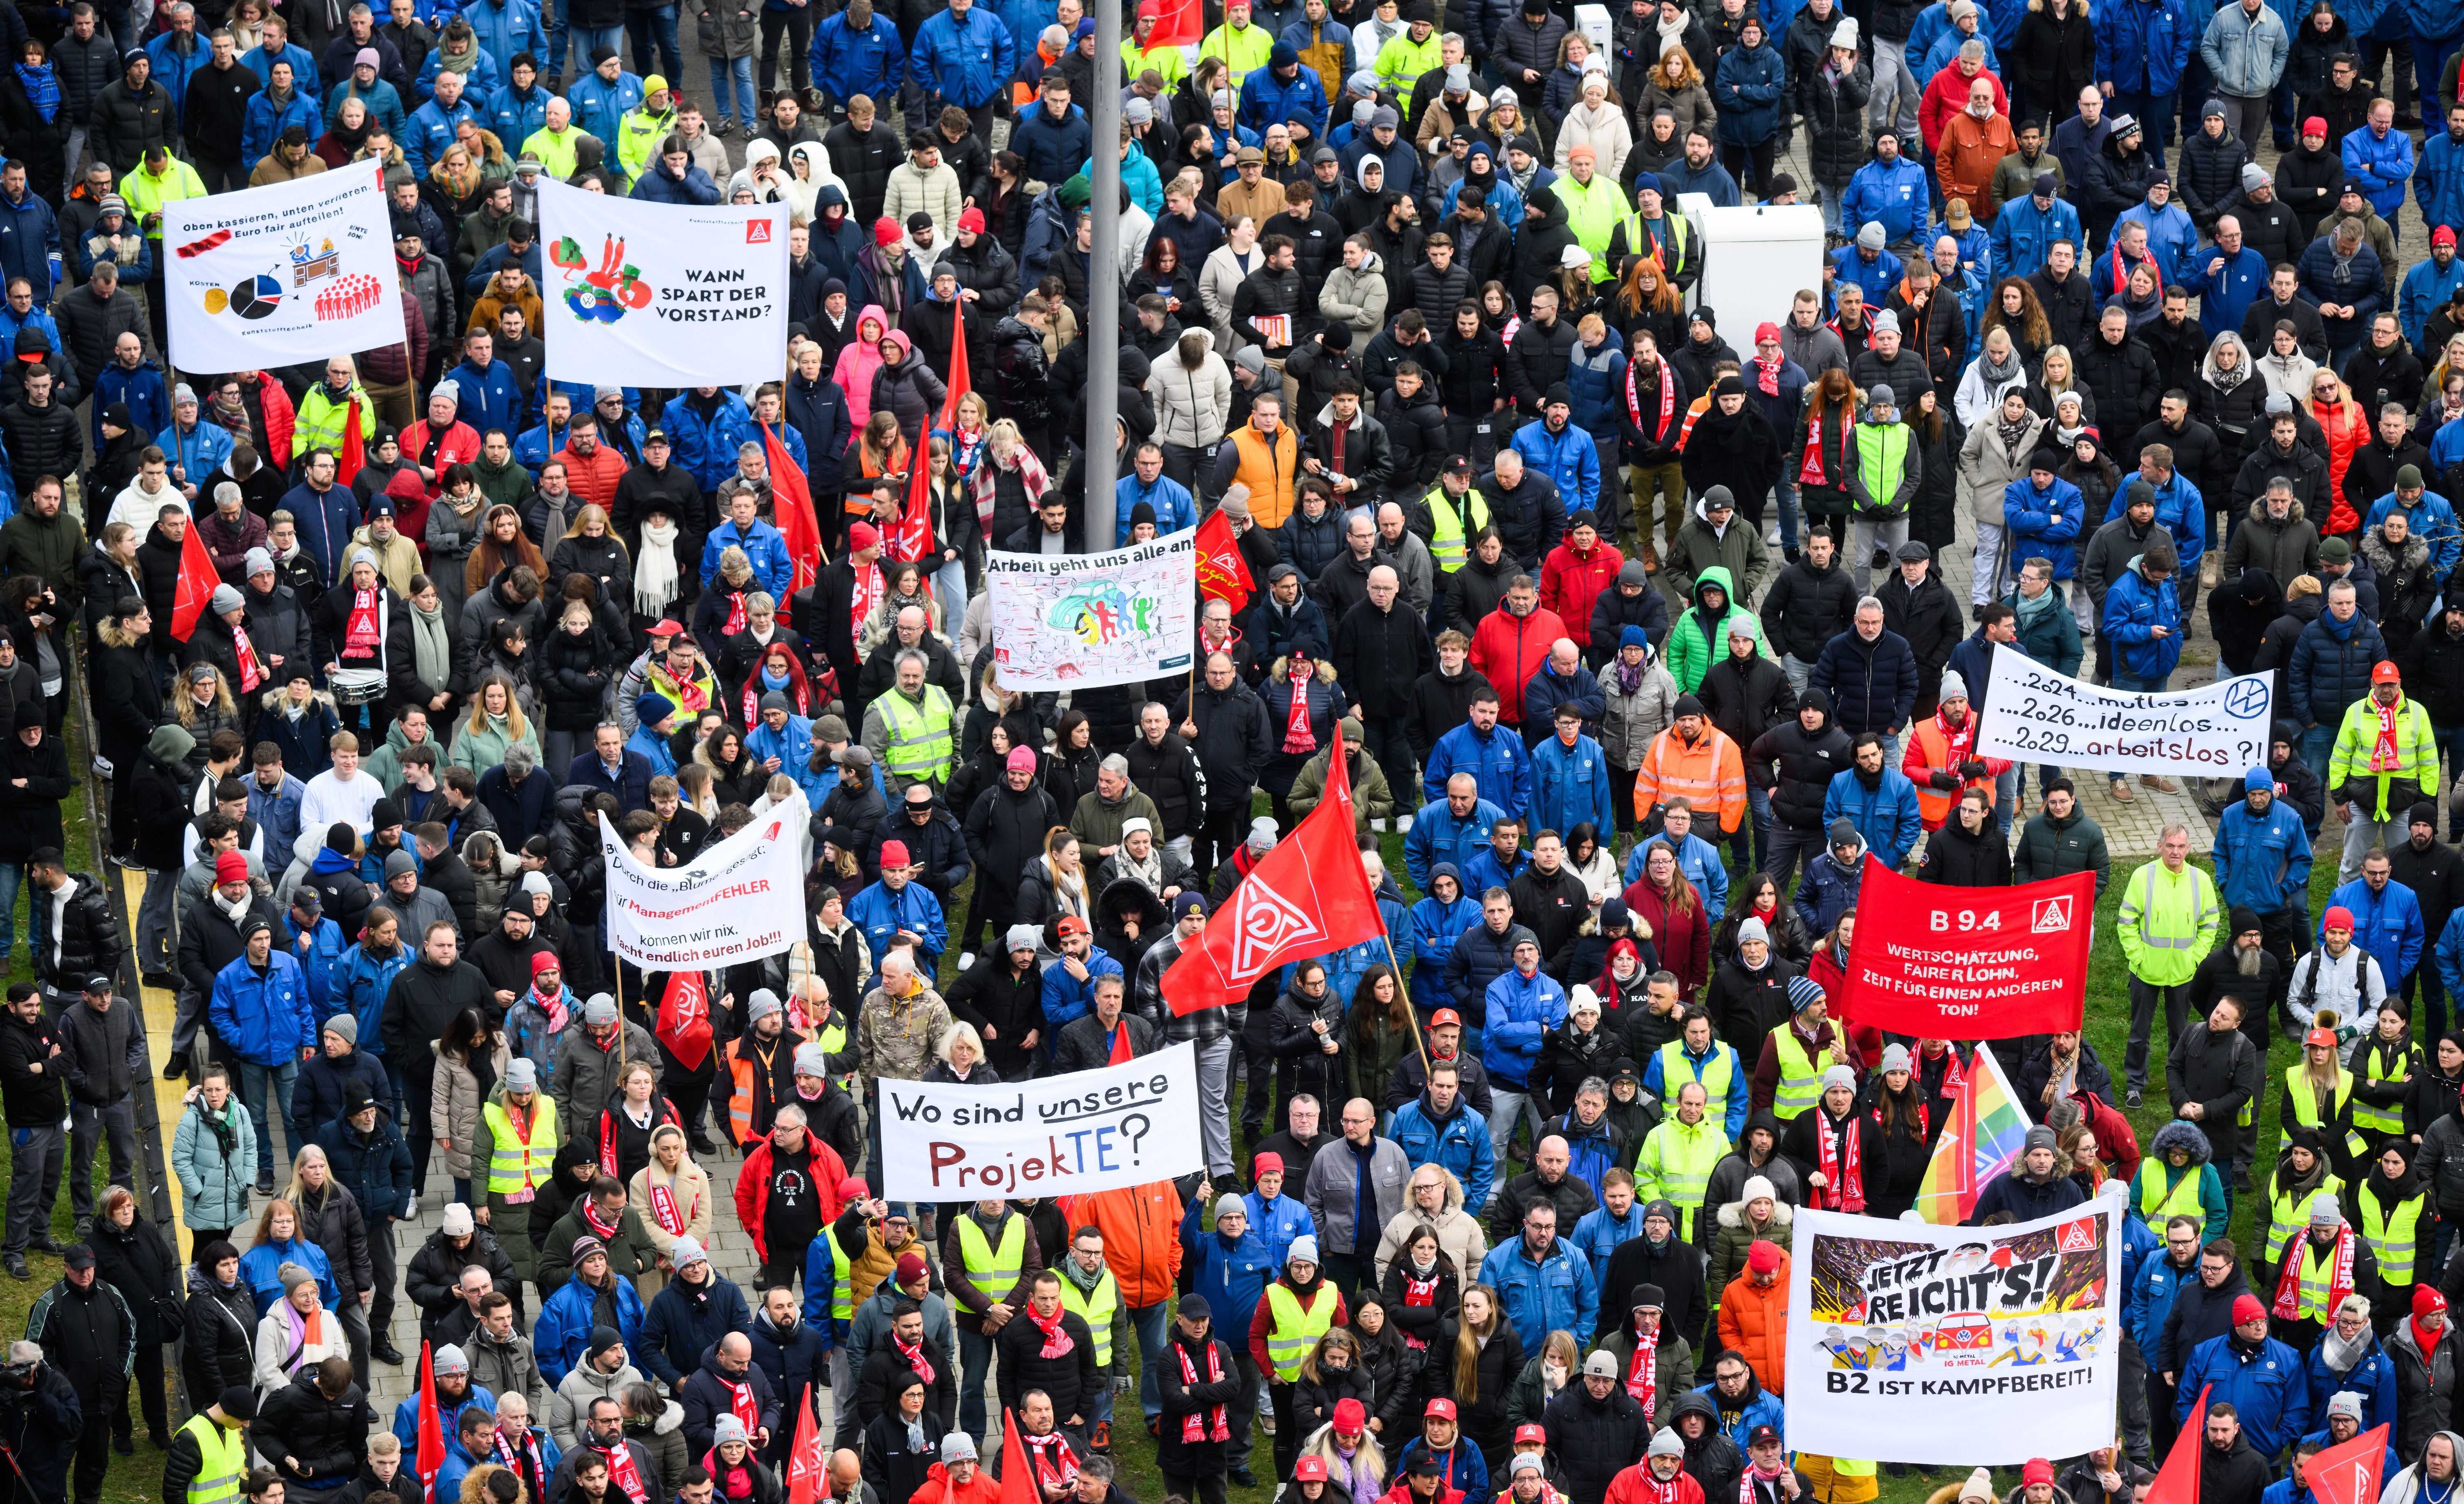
(220, 1349)
(1833, 106)
(2124, 379)
(1594, 1437)
(2207, 174)
(1797, 766)
(2055, 56)
(1805, 608)
(1381, 656)
(138, 1262)
(326, 1436)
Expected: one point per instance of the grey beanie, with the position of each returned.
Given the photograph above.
(1025, 937)
(760, 1005)
(1873, 237)
(1228, 1203)
(345, 1025)
(259, 562)
(398, 863)
(226, 599)
(2041, 1137)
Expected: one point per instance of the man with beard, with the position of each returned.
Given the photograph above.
(2243, 966)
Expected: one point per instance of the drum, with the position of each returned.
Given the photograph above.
(352, 687)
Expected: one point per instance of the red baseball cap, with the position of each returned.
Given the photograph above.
(1527, 1432)
(1445, 1018)
(1312, 1469)
(2387, 672)
(1072, 925)
(1440, 1410)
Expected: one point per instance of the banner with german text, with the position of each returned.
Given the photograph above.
(1911, 1342)
(1089, 1130)
(1083, 621)
(741, 898)
(1961, 962)
(637, 293)
(286, 273)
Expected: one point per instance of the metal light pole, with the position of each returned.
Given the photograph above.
(1103, 279)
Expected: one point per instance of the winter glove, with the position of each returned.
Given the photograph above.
(1943, 778)
(1972, 768)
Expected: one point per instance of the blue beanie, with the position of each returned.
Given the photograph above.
(2258, 778)
(652, 708)
(1633, 637)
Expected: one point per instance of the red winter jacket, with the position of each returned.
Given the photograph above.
(1509, 649)
(1571, 581)
(752, 1186)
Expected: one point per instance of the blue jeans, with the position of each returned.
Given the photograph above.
(2318, 746)
(13, 874)
(1756, 829)
(1787, 493)
(651, 28)
(1150, 1322)
(975, 1361)
(2429, 71)
(551, 58)
(252, 1082)
(588, 39)
(740, 70)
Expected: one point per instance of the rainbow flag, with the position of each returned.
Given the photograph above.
(1982, 1140)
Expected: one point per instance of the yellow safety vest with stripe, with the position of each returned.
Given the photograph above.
(1800, 1079)
(994, 1271)
(1447, 547)
(919, 735)
(1714, 1072)
(222, 1462)
(833, 1039)
(2286, 1217)
(2305, 1101)
(1881, 451)
(512, 1164)
(2390, 1234)
(842, 1281)
(1296, 1328)
(1095, 1310)
(2380, 1122)
(1677, 1162)
(2158, 1205)
(2164, 933)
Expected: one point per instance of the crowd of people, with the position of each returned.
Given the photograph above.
(1640, 645)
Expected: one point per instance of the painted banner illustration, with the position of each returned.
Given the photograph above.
(661, 295)
(289, 272)
(1083, 621)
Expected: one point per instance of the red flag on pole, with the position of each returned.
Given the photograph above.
(1018, 1474)
(1178, 25)
(428, 1459)
(1308, 895)
(913, 542)
(684, 1018)
(2177, 1482)
(1223, 574)
(808, 1462)
(355, 445)
(2348, 1473)
(195, 590)
(791, 501)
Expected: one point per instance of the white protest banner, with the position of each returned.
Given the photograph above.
(1083, 620)
(1125, 1125)
(2034, 714)
(741, 898)
(289, 272)
(661, 295)
(1911, 1342)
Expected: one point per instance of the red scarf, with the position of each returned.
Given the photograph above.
(2339, 1278)
(735, 612)
(743, 1407)
(1211, 1425)
(2423, 1337)
(1298, 739)
(607, 1139)
(1767, 375)
(1753, 1475)
(1667, 401)
(1812, 471)
(605, 1231)
(1643, 1375)
(2384, 755)
(1057, 1341)
(691, 697)
(2122, 271)
(1422, 1293)
(623, 1474)
(1956, 741)
(1954, 1075)
(514, 1456)
(251, 673)
(361, 637)
(865, 596)
(1655, 1492)
(914, 1357)
(663, 1206)
(520, 1119)
(1055, 1460)
(1838, 1156)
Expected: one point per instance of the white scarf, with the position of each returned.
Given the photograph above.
(654, 573)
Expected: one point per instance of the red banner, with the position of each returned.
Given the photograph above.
(2348, 1473)
(684, 1018)
(1961, 962)
(194, 592)
(791, 500)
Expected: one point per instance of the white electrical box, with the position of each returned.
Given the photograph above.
(1754, 261)
(1593, 21)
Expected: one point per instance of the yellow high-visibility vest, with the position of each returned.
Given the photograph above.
(2390, 1234)
(512, 1164)
(1800, 1079)
(994, 1271)
(1095, 1310)
(1296, 1328)
(222, 1464)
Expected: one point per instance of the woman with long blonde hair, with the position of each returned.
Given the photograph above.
(205, 705)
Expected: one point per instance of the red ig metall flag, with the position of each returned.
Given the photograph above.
(428, 1459)
(684, 1018)
(2177, 1482)
(808, 1461)
(2349, 1471)
(1308, 895)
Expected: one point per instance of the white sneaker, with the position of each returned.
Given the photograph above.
(1403, 824)
(966, 959)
